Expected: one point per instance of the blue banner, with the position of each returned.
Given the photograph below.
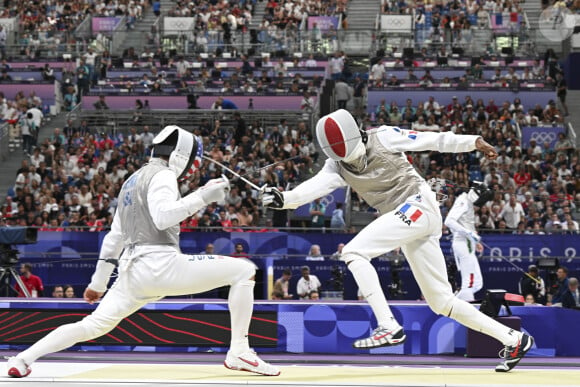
(541, 134)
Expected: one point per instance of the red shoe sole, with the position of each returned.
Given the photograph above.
(13, 372)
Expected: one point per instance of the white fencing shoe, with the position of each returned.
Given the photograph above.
(249, 361)
(382, 337)
(17, 368)
(513, 354)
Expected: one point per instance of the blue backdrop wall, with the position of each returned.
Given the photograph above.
(70, 257)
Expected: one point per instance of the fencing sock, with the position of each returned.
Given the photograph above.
(367, 280)
(467, 315)
(241, 303)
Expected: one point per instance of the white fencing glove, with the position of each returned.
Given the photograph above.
(273, 198)
(475, 236)
(215, 190)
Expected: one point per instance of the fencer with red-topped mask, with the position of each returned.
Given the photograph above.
(144, 240)
(374, 164)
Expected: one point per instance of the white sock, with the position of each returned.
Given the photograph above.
(241, 304)
(467, 315)
(367, 280)
(61, 338)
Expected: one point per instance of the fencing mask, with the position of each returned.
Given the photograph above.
(183, 149)
(479, 194)
(339, 136)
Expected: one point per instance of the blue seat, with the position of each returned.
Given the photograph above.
(475, 175)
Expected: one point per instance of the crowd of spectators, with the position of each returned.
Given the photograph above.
(452, 8)
(503, 77)
(72, 178)
(162, 75)
(49, 25)
(537, 185)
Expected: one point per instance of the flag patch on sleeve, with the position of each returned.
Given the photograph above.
(408, 215)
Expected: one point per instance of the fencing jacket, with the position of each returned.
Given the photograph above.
(147, 219)
(461, 218)
(387, 178)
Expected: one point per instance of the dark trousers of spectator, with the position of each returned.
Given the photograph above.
(562, 99)
(342, 103)
(27, 143)
(83, 89)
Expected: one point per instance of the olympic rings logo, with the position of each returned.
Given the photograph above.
(542, 137)
(327, 200)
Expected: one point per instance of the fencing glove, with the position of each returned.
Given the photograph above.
(475, 237)
(273, 198)
(215, 190)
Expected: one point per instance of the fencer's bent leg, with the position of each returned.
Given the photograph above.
(368, 282)
(428, 265)
(199, 273)
(241, 304)
(382, 235)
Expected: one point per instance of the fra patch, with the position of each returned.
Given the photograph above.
(408, 216)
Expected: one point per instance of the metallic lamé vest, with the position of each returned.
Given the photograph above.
(467, 220)
(386, 181)
(138, 227)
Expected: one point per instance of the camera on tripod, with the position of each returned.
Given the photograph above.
(336, 281)
(396, 289)
(551, 266)
(9, 257)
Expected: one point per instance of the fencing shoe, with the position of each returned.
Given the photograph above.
(513, 354)
(17, 368)
(382, 337)
(249, 361)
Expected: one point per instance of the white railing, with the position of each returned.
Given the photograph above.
(572, 133)
(4, 141)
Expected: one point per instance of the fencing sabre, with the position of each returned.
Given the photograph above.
(270, 165)
(254, 186)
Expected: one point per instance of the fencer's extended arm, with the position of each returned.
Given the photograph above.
(165, 206)
(321, 184)
(402, 140)
(110, 251)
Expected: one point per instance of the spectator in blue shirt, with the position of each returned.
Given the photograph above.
(223, 104)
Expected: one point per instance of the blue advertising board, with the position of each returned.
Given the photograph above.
(70, 257)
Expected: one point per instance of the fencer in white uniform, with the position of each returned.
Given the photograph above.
(374, 165)
(144, 238)
(461, 221)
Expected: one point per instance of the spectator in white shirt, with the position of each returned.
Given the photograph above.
(336, 64)
(311, 62)
(378, 71)
(307, 284)
(512, 213)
